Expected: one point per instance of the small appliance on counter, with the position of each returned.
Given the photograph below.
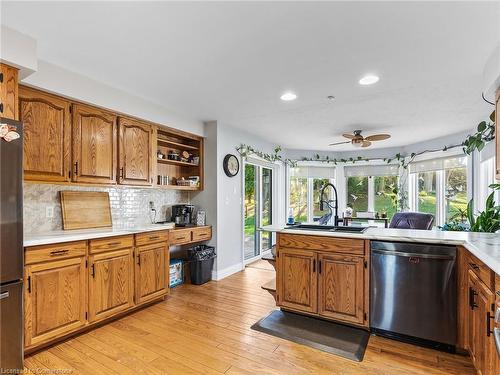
(182, 214)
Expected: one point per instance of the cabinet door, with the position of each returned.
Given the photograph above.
(151, 276)
(341, 287)
(481, 341)
(55, 299)
(94, 145)
(297, 280)
(136, 151)
(111, 283)
(8, 92)
(46, 120)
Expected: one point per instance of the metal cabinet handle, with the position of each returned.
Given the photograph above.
(76, 168)
(139, 259)
(1, 107)
(474, 266)
(114, 243)
(121, 172)
(92, 271)
(319, 266)
(58, 252)
(4, 295)
(314, 265)
(489, 318)
(472, 294)
(29, 284)
(154, 237)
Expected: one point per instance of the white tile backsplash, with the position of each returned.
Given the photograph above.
(129, 206)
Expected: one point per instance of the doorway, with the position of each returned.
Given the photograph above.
(259, 187)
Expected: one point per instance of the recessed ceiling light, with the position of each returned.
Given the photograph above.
(369, 79)
(287, 96)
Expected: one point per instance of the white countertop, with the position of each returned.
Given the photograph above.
(485, 246)
(34, 239)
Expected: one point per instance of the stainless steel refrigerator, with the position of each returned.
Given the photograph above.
(11, 245)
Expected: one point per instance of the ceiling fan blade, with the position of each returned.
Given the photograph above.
(366, 143)
(347, 135)
(377, 137)
(339, 143)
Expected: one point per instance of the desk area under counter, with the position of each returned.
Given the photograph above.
(86, 277)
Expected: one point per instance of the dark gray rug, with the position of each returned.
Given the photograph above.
(334, 338)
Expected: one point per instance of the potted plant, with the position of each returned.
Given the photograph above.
(487, 220)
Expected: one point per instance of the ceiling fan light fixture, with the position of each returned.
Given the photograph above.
(369, 79)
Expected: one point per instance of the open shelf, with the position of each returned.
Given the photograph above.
(176, 162)
(179, 187)
(176, 145)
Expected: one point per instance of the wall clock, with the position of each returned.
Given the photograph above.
(231, 165)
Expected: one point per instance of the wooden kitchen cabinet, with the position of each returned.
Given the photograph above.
(136, 152)
(95, 145)
(47, 135)
(151, 276)
(55, 299)
(481, 343)
(297, 280)
(9, 92)
(341, 287)
(111, 283)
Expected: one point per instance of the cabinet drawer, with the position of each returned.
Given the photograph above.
(202, 234)
(485, 274)
(333, 244)
(44, 253)
(111, 243)
(180, 236)
(151, 237)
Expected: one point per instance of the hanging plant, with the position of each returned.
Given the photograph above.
(485, 133)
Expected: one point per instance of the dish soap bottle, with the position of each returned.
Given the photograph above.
(290, 220)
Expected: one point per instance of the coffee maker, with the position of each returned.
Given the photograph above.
(182, 214)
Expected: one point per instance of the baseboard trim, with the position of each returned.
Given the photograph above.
(228, 271)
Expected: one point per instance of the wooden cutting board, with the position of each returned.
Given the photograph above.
(85, 209)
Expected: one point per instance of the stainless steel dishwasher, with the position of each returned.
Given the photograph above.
(413, 293)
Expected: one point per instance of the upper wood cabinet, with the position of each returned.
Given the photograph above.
(497, 132)
(136, 152)
(55, 299)
(94, 145)
(8, 92)
(341, 287)
(111, 283)
(47, 135)
(151, 276)
(297, 280)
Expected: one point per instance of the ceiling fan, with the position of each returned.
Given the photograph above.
(357, 140)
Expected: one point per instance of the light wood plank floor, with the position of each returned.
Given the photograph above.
(206, 330)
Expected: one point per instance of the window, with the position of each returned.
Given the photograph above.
(372, 187)
(305, 187)
(357, 193)
(486, 178)
(440, 187)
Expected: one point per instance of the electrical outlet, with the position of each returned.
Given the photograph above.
(151, 205)
(49, 212)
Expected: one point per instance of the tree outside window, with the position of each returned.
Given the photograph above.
(357, 193)
(298, 198)
(385, 194)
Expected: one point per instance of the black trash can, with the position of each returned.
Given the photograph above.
(201, 262)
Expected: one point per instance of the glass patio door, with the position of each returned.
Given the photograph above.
(258, 209)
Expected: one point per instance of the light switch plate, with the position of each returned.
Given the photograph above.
(49, 212)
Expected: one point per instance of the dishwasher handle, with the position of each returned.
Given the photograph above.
(413, 255)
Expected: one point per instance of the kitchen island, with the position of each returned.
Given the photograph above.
(326, 274)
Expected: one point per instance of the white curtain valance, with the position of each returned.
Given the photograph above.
(312, 171)
(371, 170)
(438, 164)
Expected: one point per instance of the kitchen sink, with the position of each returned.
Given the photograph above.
(328, 228)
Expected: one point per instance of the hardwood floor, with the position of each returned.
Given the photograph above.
(206, 330)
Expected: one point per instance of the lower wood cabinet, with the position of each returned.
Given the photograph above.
(298, 280)
(481, 343)
(341, 287)
(55, 299)
(325, 283)
(111, 283)
(151, 276)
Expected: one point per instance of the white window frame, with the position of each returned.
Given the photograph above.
(440, 216)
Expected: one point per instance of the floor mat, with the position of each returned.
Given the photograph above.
(334, 338)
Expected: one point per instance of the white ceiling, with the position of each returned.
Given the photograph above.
(231, 62)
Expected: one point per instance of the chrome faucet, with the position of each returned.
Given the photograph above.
(325, 218)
